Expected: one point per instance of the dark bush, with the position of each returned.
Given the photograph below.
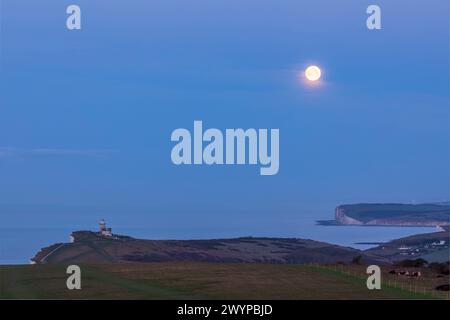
(417, 263)
(357, 260)
(441, 268)
(443, 287)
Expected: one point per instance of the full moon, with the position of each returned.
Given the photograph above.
(313, 73)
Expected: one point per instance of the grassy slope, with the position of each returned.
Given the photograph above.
(390, 249)
(191, 281)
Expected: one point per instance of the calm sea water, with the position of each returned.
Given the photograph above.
(17, 246)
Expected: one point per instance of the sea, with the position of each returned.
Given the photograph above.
(18, 245)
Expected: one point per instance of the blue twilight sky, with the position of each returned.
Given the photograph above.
(86, 116)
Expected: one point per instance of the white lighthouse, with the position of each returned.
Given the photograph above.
(103, 230)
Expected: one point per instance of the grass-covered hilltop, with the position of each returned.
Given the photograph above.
(93, 247)
(393, 214)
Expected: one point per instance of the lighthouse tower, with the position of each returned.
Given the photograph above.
(102, 225)
(103, 230)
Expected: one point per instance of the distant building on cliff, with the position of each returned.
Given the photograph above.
(104, 231)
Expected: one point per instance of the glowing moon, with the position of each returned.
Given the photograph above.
(313, 73)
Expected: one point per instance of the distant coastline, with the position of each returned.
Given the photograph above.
(105, 246)
(20, 245)
(391, 214)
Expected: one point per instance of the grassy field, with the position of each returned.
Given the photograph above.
(196, 281)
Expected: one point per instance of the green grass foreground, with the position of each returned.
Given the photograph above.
(193, 281)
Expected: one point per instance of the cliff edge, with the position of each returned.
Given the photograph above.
(393, 214)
